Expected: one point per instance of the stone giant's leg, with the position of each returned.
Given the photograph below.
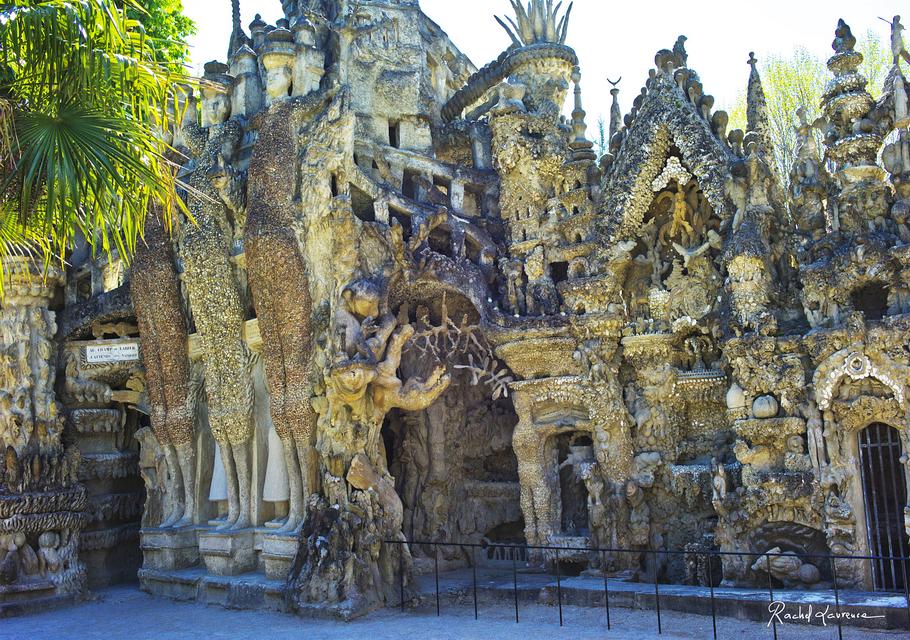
(295, 482)
(172, 488)
(243, 480)
(230, 472)
(186, 457)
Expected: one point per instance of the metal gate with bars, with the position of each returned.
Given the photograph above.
(885, 496)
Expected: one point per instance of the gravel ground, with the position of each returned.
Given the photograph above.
(127, 613)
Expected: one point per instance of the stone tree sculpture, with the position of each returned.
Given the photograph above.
(283, 305)
(214, 294)
(155, 290)
(346, 563)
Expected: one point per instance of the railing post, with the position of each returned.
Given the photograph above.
(904, 561)
(840, 629)
(603, 561)
(436, 570)
(656, 590)
(771, 594)
(558, 587)
(652, 554)
(515, 583)
(474, 567)
(401, 573)
(713, 604)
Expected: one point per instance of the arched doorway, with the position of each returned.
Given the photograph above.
(885, 496)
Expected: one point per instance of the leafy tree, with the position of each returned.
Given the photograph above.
(602, 144)
(168, 28)
(82, 99)
(798, 81)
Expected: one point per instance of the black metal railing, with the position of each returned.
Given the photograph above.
(711, 558)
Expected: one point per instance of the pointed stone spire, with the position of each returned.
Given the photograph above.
(238, 37)
(582, 148)
(615, 113)
(290, 9)
(757, 106)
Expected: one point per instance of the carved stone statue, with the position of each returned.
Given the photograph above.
(898, 49)
(787, 568)
(718, 481)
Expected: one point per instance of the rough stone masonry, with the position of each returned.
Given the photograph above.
(413, 304)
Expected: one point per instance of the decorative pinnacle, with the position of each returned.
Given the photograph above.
(615, 113)
(537, 23)
(757, 106)
(581, 146)
(844, 40)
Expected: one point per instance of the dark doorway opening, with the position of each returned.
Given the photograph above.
(885, 496)
(572, 450)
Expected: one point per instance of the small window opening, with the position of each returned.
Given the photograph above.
(409, 185)
(84, 287)
(872, 300)
(404, 220)
(440, 241)
(473, 202)
(559, 271)
(362, 205)
(444, 188)
(395, 134)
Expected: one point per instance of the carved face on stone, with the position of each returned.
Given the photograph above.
(278, 75)
(634, 494)
(49, 540)
(350, 380)
(216, 107)
(362, 299)
(218, 176)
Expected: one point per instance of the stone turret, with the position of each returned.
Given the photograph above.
(749, 254)
(246, 99)
(853, 138)
(543, 63)
(216, 93)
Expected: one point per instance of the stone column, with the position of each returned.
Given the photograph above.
(42, 507)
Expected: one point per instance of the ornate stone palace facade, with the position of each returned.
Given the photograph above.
(415, 305)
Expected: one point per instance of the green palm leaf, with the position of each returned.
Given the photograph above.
(82, 100)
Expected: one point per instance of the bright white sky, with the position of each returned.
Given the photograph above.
(619, 37)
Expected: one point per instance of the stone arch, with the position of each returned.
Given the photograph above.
(578, 268)
(664, 121)
(858, 365)
(792, 537)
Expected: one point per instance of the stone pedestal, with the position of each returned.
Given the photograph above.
(278, 552)
(169, 549)
(26, 590)
(228, 553)
(30, 596)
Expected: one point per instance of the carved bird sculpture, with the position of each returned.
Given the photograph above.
(688, 255)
